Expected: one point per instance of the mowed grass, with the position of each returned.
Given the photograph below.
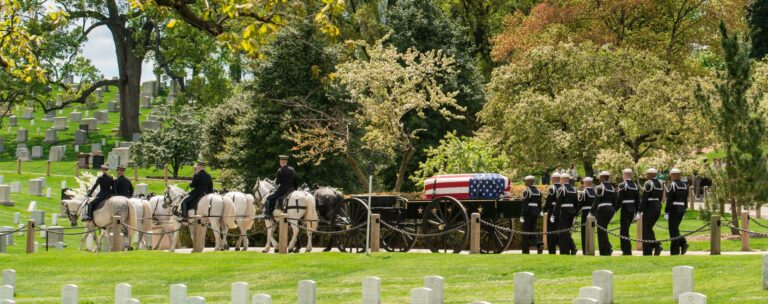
(724, 279)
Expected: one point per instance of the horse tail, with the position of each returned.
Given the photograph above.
(311, 215)
(250, 199)
(146, 217)
(250, 211)
(132, 219)
(228, 214)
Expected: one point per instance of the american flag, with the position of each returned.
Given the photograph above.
(467, 186)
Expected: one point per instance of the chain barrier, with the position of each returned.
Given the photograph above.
(65, 233)
(422, 235)
(572, 229)
(758, 223)
(703, 228)
(326, 232)
(667, 228)
(11, 231)
(751, 233)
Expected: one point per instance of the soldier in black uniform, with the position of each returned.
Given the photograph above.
(628, 197)
(123, 186)
(650, 208)
(603, 210)
(586, 200)
(549, 208)
(529, 215)
(286, 182)
(677, 195)
(567, 206)
(105, 184)
(201, 184)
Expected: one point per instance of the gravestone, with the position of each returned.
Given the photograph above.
(103, 141)
(37, 152)
(83, 127)
(112, 107)
(125, 144)
(693, 298)
(38, 216)
(16, 215)
(91, 122)
(148, 88)
(22, 153)
(136, 137)
(95, 148)
(307, 292)
(32, 206)
(27, 114)
(81, 137)
(421, 296)
(142, 189)
(239, 293)
(13, 121)
(56, 153)
(523, 284)
(682, 281)
(55, 235)
(48, 193)
(21, 135)
(261, 299)
(195, 300)
(50, 136)
(113, 160)
(146, 102)
(5, 197)
(371, 290)
(75, 116)
(435, 283)
(178, 294)
(35, 187)
(32, 122)
(150, 125)
(124, 153)
(102, 117)
(604, 280)
(6, 292)
(15, 187)
(122, 292)
(69, 294)
(82, 160)
(8, 231)
(591, 292)
(584, 301)
(49, 115)
(97, 159)
(9, 277)
(59, 123)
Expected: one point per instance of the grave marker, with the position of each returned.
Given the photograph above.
(682, 281)
(239, 293)
(421, 296)
(371, 290)
(523, 285)
(59, 123)
(435, 283)
(5, 200)
(37, 152)
(178, 294)
(122, 292)
(21, 135)
(69, 294)
(307, 292)
(261, 299)
(50, 136)
(692, 298)
(75, 116)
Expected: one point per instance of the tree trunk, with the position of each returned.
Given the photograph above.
(175, 168)
(588, 169)
(130, 84)
(401, 172)
(734, 219)
(356, 170)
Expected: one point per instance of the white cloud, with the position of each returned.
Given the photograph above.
(100, 49)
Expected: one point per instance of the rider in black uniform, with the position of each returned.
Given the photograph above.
(105, 184)
(285, 180)
(201, 184)
(123, 186)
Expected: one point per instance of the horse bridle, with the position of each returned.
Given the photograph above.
(73, 217)
(168, 201)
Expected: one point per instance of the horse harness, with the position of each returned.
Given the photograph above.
(285, 203)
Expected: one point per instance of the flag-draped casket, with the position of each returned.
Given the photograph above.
(467, 186)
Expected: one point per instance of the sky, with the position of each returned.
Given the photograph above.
(100, 49)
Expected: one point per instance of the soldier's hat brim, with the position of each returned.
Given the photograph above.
(104, 167)
(201, 163)
(283, 157)
(120, 168)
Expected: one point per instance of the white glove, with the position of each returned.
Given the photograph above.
(637, 217)
(551, 219)
(522, 220)
(541, 214)
(666, 216)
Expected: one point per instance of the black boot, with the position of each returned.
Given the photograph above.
(684, 249)
(88, 214)
(657, 250)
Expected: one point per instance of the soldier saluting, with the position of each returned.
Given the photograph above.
(628, 197)
(529, 214)
(603, 210)
(549, 208)
(285, 178)
(650, 208)
(123, 186)
(586, 200)
(105, 182)
(677, 195)
(567, 206)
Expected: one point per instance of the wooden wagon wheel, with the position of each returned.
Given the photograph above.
(446, 214)
(493, 240)
(351, 213)
(394, 241)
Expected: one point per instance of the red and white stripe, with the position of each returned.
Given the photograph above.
(454, 185)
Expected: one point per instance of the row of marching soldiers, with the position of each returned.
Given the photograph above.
(563, 203)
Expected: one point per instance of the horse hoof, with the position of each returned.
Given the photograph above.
(130, 248)
(308, 250)
(265, 251)
(275, 250)
(237, 248)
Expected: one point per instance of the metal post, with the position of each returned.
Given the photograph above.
(31, 236)
(744, 233)
(639, 245)
(117, 242)
(544, 225)
(282, 240)
(589, 234)
(375, 232)
(474, 230)
(368, 206)
(48, 168)
(715, 235)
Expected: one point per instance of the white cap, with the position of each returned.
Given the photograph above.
(529, 177)
(565, 175)
(675, 171)
(651, 171)
(604, 173)
(587, 179)
(555, 175)
(627, 171)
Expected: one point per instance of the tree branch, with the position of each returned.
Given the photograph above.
(80, 99)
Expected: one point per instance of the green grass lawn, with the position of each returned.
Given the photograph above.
(724, 279)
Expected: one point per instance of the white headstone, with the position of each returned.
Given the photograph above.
(8, 231)
(15, 187)
(55, 235)
(37, 247)
(131, 301)
(122, 292)
(371, 290)
(50, 136)
(113, 160)
(54, 218)
(195, 300)
(59, 123)
(421, 295)
(21, 135)
(75, 116)
(48, 193)
(13, 121)
(307, 292)
(9, 277)
(6, 292)
(37, 152)
(142, 189)
(63, 184)
(95, 148)
(81, 137)
(102, 117)
(103, 141)
(77, 148)
(592, 292)
(5, 199)
(16, 215)
(178, 293)
(32, 206)
(435, 283)
(693, 298)
(38, 216)
(2, 179)
(240, 293)
(523, 282)
(35, 187)
(22, 153)
(91, 122)
(584, 301)
(69, 294)
(261, 299)
(682, 281)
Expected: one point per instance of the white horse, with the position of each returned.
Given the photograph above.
(102, 219)
(161, 214)
(301, 206)
(245, 211)
(143, 220)
(215, 209)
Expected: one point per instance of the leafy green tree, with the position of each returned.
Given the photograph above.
(757, 18)
(176, 143)
(739, 124)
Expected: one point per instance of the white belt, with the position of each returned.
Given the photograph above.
(566, 206)
(678, 204)
(604, 204)
(653, 199)
(627, 201)
(532, 205)
(586, 208)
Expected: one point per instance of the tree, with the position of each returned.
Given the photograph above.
(739, 124)
(757, 18)
(176, 143)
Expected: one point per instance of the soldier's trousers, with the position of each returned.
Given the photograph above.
(604, 216)
(584, 214)
(567, 246)
(626, 221)
(530, 226)
(674, 230)
(650, 217)
(552, 237)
